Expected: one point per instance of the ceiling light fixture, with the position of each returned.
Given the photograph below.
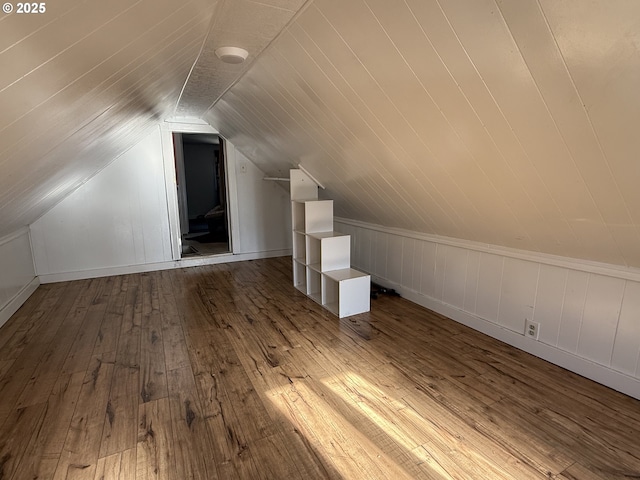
(233, 55)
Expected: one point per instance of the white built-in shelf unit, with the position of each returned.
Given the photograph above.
(322, 257)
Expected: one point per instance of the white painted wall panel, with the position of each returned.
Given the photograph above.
(441, 265)
(264, 210)
(16, 266)
(600, 318)
(17, 272)
(489, 284)
(379, 248)
(394, 259)
(572, 310)
(626, 349)
(417, 266)
(549, 299)
(363, 248)
(519, 283)
(589, 314)
(455, 269)
(428, 267)
(118, 218)
(408, 264)
(471, 281)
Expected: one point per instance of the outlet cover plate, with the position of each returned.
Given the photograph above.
(531, 330)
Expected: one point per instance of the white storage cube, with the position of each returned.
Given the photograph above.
(328, 250)
(318, 216)
(346, 292)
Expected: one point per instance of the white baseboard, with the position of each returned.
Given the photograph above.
(152, 267)
(593, 371)
(18, 300)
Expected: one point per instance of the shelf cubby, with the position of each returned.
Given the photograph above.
(331, 250)
(314, 285)
(343, 292)
(300, 276)
(299, 247)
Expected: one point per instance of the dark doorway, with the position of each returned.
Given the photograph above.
(202, 194)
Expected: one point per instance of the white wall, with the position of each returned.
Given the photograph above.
(589, 313)
(118, 218)
(264, 210)
(17, 273)
(118, 222)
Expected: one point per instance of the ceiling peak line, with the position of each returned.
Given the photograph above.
(212, 23)
(297, 14)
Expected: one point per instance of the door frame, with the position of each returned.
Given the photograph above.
(195, 126)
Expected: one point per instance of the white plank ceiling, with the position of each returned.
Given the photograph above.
(84, 81)
(508, 122)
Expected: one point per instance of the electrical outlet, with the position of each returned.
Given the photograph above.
(531, 329)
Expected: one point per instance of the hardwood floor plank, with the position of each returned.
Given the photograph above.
(272, 455)
(14, 382)
(48, 437)
(231, 448)
(349, 450)
(153, 375)
(74, 337)
(22, 326)
(226, 371)
(175, 348)
(109, 333)
(121, 415)
(154, 454)
(83, 346)
(79, 456)
(17, 433)
(569, 423)
(5, 366)
(19, 321)
(119, 466)
(192, 446)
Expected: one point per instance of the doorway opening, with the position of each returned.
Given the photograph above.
(202, 194)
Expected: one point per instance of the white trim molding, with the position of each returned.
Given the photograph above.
(14, 235)
(617, 271)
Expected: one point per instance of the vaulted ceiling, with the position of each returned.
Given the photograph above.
(508, 122)
(83, 81)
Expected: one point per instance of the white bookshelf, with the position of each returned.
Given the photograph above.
(322, 257)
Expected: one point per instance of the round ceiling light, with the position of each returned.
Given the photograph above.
(232, 54)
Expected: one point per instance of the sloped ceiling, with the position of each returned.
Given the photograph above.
(509, 122)
(83, 81)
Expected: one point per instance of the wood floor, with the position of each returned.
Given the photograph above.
(228, 372)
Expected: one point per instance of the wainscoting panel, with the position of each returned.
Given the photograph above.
(17, 274)
(626, 356)
(588, 313)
